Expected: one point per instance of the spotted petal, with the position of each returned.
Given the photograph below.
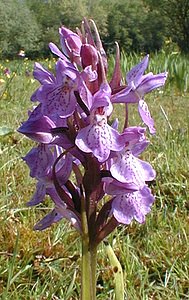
(145, 116)
(129, 169)
(151, 82)
(134, 76)
(99, 140)
(133, 205)
(39, 160)
(57, 100)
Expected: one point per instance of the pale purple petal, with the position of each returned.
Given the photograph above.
(64, 168)
(133, 135)
(65, 70)
(57, 100)
(99, 139)
(151, 82)
(70, 216)
(102, 99)
(129, 169)
(62, 209)
(39, 160)
(38, 130)
(115, 187)
(140, 147)
(90, 140)
(145, 116)
(42, 74)
(39, 194)
(88, 74)
(134, 76)
(48, 220)
(71, 44)
(85, 95)
(133, 205)
(54, 49)
(125, 96)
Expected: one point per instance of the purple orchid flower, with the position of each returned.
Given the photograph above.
(39, 127)
(40, 161)
(132, 205)
(125, 166)
(43, 76)
(130, 169)
(66, 211)
(58, 97)
(57, 94)
(38, 130)
(55, 216)
(60, 211)
(99, 138)
(138, 86)
(70, 44)
(71, 125)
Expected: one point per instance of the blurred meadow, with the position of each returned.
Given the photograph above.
(154, 256)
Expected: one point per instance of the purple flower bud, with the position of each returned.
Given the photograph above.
(89, 56)
(71, 44)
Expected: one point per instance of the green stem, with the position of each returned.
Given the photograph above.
(85, 266)
(88, 267)
(86, 281)
(93, 254)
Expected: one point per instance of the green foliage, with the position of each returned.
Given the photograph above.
(18, 28)
(138, 25)
(176, 18)
(4, 130)
(135, 27)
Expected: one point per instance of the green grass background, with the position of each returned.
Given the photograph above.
(154, 256)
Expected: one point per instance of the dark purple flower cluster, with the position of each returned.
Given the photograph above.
(71, 124)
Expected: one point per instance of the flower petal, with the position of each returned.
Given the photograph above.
(48, 220)
(151, 82)
(54, 49)
(134, 76)
(132, 206)
(39, 160)
(145, 116)
(99, 140)
(39, 194)
(38, 130)
(57, 100)
(130, 169)
(42, 74)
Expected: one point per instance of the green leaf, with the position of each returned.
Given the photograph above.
(118, 273)
(4, 130)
